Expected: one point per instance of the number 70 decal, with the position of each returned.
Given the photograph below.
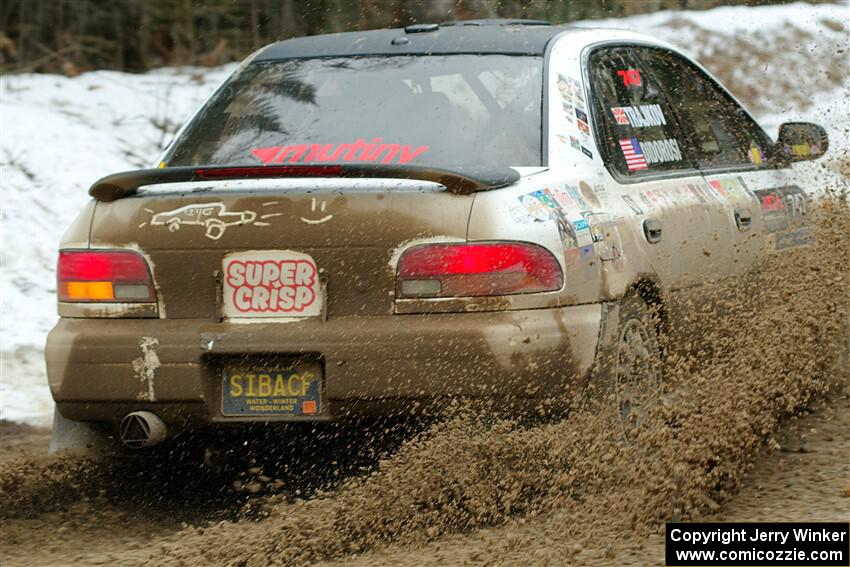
(630, 77)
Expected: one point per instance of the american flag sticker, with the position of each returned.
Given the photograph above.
(635, 159)
(620, 115)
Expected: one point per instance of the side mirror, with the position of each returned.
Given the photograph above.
(801, 141)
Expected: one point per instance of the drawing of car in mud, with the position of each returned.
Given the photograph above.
(214, 216)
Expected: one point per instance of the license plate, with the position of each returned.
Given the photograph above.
(294, 391)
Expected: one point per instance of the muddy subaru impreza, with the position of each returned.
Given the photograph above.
(371, 223)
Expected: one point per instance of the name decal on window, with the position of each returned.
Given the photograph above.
(639, 155)
(642, 116)
(360, 150)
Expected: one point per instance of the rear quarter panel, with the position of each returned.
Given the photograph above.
(606, 255)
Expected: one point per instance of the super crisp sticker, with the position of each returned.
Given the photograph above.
(270, 283)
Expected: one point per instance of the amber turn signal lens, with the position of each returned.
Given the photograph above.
(86, 291)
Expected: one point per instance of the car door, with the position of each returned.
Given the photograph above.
(765, 209)
(680, 224)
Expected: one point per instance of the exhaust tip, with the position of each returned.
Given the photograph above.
(142, 429)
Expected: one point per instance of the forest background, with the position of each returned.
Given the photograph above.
(72, 36)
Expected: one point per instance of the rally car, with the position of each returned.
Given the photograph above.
(478, 209)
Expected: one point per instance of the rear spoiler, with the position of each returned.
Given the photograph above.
(462, 181)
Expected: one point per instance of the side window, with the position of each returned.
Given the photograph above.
(638, 129)
(718, 132)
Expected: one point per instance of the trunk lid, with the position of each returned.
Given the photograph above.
(349, 227)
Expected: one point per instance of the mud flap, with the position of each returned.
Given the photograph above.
(83, 439)
(606, 353)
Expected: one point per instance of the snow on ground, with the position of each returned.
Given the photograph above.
(59, 134)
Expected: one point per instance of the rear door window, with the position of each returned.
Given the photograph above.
(719, 133)
(640, 135)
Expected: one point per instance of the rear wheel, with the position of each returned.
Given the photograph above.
(637, 371)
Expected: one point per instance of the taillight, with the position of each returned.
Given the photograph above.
(109, 276)
(456, 270)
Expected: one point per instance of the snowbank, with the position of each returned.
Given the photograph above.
(59, 134)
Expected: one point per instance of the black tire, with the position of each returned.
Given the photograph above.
(637, 369)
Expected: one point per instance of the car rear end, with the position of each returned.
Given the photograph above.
(252, 281)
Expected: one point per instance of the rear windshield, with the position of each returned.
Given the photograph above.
(440, 111)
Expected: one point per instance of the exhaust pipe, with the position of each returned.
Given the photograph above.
(142, 429)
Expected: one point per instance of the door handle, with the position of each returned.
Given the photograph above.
(652, 230)
(743, 219)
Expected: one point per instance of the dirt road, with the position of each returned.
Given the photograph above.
(803, 476)
(730, 438)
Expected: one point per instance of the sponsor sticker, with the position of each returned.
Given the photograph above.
(652, 199)
(733, 190)
(577, 197)
(577, 94)
(564, 199)
(549, 205)
(643, 116)
(572, 103)
(270, 283)
(565, 89)
(535, 207)
(702, 194)
(801, 150)
(567, 233)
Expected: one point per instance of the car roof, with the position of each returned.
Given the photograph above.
(506, 37)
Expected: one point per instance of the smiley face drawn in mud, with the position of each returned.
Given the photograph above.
(321, 207)
(213, 216)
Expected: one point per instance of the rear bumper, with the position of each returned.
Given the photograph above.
(101, 369)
